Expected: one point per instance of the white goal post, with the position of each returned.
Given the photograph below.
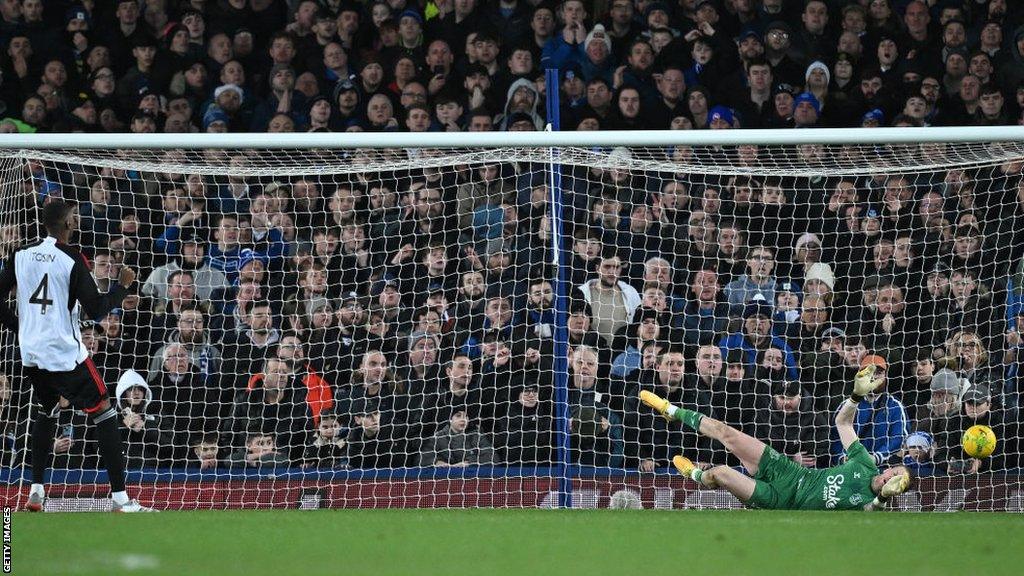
(465, 319)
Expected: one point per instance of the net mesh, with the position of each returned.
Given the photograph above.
(377, 328)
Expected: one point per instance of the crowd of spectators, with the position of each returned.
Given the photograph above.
(451, 65)
(406, 318)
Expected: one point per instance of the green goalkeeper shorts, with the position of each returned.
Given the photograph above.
(776, 481)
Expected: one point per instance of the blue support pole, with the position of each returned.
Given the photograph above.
(560, 260)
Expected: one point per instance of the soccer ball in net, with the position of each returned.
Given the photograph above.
(979, 441)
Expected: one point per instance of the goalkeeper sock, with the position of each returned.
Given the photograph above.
(119, 498)
(688, 417)
(111, 450)
(37, 489)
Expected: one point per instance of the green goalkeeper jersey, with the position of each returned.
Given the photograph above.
(844, 487)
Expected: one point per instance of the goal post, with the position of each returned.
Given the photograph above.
(372, 319)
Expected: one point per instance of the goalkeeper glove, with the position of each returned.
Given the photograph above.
(864, 383)
(893, 487)
(657, 402)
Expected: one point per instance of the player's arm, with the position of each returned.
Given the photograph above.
(83, 289)
(863, 384)
(7, 281)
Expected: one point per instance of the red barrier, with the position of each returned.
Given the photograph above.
(944, 494)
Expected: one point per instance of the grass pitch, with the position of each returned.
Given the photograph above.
(486, 542)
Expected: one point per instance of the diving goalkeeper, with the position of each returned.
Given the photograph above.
(778, 483)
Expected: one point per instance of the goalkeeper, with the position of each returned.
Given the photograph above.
(778, 483)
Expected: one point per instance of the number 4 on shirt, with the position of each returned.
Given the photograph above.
(41, 295)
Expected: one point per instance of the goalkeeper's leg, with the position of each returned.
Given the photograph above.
(745, 447)
(735, 482)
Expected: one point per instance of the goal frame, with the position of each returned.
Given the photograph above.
(544, 139)
(551, 139)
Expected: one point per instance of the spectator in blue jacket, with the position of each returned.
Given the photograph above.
(567, 45)
(757, 335)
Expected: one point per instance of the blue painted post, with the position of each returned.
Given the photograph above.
(561, 261)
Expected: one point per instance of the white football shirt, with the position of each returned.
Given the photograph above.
(52, 279)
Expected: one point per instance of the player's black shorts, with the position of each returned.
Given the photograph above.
(83, 387)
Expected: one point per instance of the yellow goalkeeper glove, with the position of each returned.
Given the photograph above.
(895, 486)
(864, 383)
(657, 402)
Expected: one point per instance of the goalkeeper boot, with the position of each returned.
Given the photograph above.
(654, 401)
(36, 502)
(684, 465)
(130, 507)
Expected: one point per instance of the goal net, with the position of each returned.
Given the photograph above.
(454, 326)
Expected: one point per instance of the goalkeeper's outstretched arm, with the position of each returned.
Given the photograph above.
(863, 384)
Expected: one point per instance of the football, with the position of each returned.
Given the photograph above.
(979, 441)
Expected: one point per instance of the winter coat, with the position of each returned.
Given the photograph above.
(151, 445)
(801, 431)
(526, 436)
(288, 419)
(455, 447)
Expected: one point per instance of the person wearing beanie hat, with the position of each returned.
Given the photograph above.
(320, 112)
(345, 100)
(817, 77)
(215, 120)
(720, 118)
(412, 14)
(919, 452)
(787, 303)
(757, 307)
(806, 240)
(416, 336)
(659, 10)
(320, 313)
(819, 279)
(598, 34)
(873, 118)
(229, 88)
(945, 391)
(806, 110)
(817, 80)
(77, 18)
(247, 257)
(978, 394)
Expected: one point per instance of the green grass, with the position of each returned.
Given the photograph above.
(485, 542)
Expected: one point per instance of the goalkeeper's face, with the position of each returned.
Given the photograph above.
(878, 481)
